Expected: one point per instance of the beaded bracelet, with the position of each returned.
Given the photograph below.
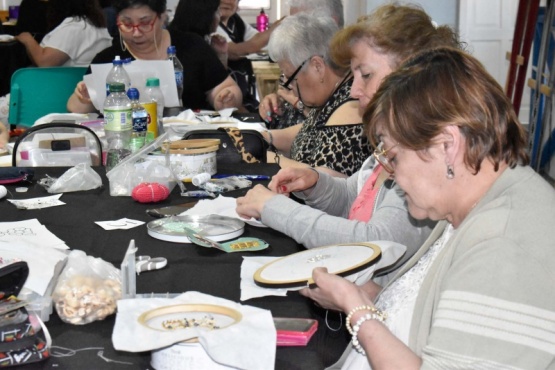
(354, 341)
(374, 310)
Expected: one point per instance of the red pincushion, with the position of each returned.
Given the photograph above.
(150, 192)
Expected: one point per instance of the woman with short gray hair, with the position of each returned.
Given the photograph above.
(332, 136)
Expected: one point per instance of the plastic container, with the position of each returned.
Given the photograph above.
(118, 125)
(153, 101)
(262, 21)
(117, 74)
(139, 117)
(178, 70)
(189, 158)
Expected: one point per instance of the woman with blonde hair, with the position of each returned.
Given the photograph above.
(366, 206)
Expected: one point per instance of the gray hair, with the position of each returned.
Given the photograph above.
(300, 36)
(332, 8)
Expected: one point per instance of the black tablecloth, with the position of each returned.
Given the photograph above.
(190, 268)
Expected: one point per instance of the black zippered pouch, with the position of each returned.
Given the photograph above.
(13, 175)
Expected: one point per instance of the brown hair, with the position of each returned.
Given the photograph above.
(443, 87)
(396, 30)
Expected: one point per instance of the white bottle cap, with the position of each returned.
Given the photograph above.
(201, 178)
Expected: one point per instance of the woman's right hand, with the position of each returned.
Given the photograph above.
(289, 96)
(293, 179)
(82, 93)
(269, 106)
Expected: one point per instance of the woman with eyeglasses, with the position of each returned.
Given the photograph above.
(206, 84)
(479, 292)
(80, 33)
(368, 205)
(332, 134)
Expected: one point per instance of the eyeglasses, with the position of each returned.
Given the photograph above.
(141, 27)
(286, 84)
(381, 156)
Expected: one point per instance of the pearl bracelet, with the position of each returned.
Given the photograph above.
(378, 315)
(373, 310)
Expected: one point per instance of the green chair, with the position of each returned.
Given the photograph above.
(36, 92)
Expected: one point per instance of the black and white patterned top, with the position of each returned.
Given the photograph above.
(340, 148)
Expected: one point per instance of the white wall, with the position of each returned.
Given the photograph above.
(441, 11)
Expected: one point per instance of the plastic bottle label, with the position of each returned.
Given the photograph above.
(140, 123)
(152, 120)
(118, 119)
(179, 78)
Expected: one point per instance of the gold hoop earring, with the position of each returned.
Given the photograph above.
(121, 43)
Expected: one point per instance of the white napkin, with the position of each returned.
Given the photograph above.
(391, 252)
(5, 37)
(189, 117)
(223, 206)
(233, 346)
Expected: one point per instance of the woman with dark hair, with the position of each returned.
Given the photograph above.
(202, 18)
(196, 16)
(206, 84)
(79, 34)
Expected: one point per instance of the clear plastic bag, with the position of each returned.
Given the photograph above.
(136, 169)
(87, 289)
(80, 177)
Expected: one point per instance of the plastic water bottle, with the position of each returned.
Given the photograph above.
(178, 70)
(117, 125)
(153, 95)
(139, 117)
(262, 21)
(117, 74)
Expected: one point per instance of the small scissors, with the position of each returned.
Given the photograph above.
(145, 263)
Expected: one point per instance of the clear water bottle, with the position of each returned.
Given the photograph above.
(178, 69)
(262, 21)
(139, 117)
(153, 95)
(117, 74)
(117, 125)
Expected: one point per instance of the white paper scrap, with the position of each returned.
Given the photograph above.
(122, 224)
(38, 203)
(29, 232)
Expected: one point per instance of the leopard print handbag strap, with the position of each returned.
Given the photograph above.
(237, 139)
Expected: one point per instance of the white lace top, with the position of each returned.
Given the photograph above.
(399, 298)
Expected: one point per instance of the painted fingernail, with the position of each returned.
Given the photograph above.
(268, 113)
(283, 188)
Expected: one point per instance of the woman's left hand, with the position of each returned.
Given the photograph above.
(335, 292)
(252, 203)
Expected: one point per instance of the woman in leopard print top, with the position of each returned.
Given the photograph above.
(332, 136)
(342, 148)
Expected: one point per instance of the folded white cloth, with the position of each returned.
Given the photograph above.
(232, 346)
(391, 252)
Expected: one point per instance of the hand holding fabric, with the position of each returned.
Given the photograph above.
(335, 292)
(252, 203)
(293, 179)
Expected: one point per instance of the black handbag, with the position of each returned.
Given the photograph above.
(236, 145)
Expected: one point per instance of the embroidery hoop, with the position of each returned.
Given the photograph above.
(295, 270)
